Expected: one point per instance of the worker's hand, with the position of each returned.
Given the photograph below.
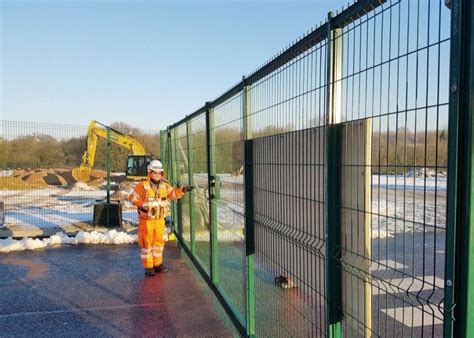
(187, 188)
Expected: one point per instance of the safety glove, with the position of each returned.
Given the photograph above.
(187, 188)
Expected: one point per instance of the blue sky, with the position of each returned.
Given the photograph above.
(145, 63)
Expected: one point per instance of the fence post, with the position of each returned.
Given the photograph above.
(171, 175)
(459, 274)
(249, 216)
(162, 146)
(333, 190)
(165, 158)
(178, 207)
(192, 226)
(211, 180)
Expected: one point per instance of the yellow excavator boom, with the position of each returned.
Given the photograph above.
(95, 131)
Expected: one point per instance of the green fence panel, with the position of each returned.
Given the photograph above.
(393, 100)
(181, 179)
(198, 158)
(346, 227)
(229, 201)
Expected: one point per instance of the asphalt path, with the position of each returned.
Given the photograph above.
(102, 291)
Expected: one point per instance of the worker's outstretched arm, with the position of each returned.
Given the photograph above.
(177, 193)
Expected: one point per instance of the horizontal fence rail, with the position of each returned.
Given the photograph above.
(323, 179)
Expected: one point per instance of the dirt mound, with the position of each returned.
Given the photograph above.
(67, 175)
(52, 179)
(22, 179)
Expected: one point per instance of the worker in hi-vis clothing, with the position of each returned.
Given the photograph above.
(152, 199)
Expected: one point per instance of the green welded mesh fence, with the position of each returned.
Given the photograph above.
(322, 205)
(41, 189)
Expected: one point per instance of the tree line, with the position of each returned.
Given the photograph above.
(400, 151)
(46, 151)
(394, 152)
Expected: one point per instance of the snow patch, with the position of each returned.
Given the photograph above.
(103, 185)
(94, 237)
(81, 186)
(409, 182)
(6, 173)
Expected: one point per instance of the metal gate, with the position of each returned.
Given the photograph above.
(333, 184)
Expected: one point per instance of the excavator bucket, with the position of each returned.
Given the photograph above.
(81, 175)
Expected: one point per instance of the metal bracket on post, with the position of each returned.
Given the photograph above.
(212, 186)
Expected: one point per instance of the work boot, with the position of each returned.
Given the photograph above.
(149, 272)
(160, 268)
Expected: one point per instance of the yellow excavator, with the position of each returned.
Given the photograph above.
(136, 164)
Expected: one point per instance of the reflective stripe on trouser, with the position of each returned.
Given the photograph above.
(150, 238)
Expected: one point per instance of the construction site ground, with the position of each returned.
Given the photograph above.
(102, 291)
(42, 202)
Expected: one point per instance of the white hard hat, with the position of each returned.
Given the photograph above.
(155, 166)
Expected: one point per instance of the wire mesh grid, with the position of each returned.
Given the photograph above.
(180, 152)
(393, 84)
(197, 158)
(348, 131)
(39, 190)
(288, 115)
(229, 201)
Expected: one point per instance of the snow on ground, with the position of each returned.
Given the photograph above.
(407, 205)
(402, 182)
(389, 218)
(8, 193)
(81, 186)
(94, 237)
(6, 173)
(28, 194)
(51, 208)
(399, 205)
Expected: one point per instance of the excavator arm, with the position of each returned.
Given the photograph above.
(97, 130)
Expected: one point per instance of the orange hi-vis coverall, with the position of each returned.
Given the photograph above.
(153, 203)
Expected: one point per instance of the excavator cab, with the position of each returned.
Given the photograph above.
(137, 166)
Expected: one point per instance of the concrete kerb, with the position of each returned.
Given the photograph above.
(71, 230)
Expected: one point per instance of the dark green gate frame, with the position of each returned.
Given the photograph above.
(249, 210)
(333, 196)
(459, 280)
